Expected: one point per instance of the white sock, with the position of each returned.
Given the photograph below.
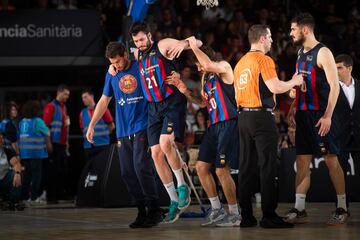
(170, 188)
(179, 177)
(341, 201)
(233, 209)
(300, 201)
(215, 202)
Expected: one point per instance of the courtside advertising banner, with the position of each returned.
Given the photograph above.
(50, 33)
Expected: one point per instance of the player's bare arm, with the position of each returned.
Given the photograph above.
(174, 79)
(172, 48)
(327, 63)
(222, 68)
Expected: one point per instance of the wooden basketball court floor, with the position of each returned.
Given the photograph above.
(67, 222)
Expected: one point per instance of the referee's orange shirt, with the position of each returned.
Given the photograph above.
(250, 75)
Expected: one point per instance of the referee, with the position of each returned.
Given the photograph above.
(256, 83)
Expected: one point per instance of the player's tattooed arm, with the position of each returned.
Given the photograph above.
(174, 79)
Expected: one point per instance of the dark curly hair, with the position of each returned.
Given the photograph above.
(31, 109)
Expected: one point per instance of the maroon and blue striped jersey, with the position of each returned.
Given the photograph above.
(317, 88)
(154, 69)
(219, 98)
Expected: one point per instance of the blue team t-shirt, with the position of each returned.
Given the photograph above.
(131, 106)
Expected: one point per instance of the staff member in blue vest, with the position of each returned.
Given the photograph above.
(131, 124)
(56, 118)
(102, 129)
(34, 144)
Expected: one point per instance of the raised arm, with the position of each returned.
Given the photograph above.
(172, 48)
(222, 68)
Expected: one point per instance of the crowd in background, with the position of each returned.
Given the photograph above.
(225, 30)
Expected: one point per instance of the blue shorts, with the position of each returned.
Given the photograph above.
(307, 139)
(166, 117)
(220, 145)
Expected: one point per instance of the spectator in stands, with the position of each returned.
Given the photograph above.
(287, 60)
(238, 23)
(114, 11)
(168, 25)
(201, 121)
(187, 76)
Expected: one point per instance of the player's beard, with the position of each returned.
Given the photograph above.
(300, 41)
(148, 44)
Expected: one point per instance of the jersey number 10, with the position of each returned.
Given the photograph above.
(212, 104)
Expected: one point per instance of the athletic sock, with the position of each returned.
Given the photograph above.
(341, 201)
(215, 202)
(170, 188)
(179, 177)
(300, 201)
(233, 209)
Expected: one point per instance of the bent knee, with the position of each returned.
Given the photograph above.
(156, 153)
(202, 168)
(165, 143)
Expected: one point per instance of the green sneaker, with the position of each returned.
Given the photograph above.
(174, 213)
(184, 197)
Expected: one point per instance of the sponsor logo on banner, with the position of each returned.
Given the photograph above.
(50, 33)
(35, 31)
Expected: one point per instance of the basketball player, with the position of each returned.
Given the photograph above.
(167, 109)
(218, 147)
(315, 128)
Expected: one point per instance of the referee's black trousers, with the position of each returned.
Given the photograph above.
(258, 152)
